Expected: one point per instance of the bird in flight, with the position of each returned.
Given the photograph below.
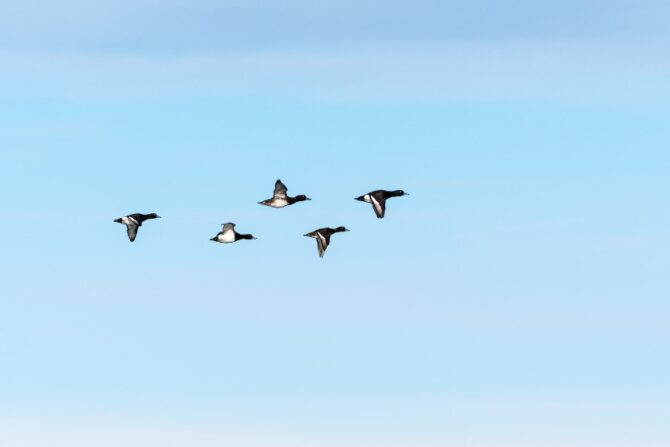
(134, 221)
(280, 198)
(228, 234)
(322, 236)
(378, 199)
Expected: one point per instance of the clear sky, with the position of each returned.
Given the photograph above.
(518, 297)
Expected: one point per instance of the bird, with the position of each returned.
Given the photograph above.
(378, 199)
(322, 236)
(280, 199)
(134, 221)
(228, 234)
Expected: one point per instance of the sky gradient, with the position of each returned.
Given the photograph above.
(518, 297)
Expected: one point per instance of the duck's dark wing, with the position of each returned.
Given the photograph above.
(322, 242)
(280, 190)
(132, 232)
(378, 203)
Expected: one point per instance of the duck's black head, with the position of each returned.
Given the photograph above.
(152, 216)
(340, 229)
(301, 198)
(398, 193)
(213, 239)
(118, 220)
(361, 198)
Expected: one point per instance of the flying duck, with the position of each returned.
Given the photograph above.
(322, 236)
(228, 234)
(134, 221)
(280, 199)
(378, 199)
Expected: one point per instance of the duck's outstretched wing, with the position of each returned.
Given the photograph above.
(378, 204)
(280, 190)
(322, 242)
(132, 231)
(228, 227)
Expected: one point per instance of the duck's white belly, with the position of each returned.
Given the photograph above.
(226, 237)
(279, 203)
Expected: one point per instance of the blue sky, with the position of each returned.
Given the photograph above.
(517, 297)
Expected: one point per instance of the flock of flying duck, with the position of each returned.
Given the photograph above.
(280, 199)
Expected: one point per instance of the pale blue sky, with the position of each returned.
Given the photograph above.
(517, 297)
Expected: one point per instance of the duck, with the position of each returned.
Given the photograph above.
(134, 221)
(228, 234)
(322, 236)
(378, 199)
(280, 198)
